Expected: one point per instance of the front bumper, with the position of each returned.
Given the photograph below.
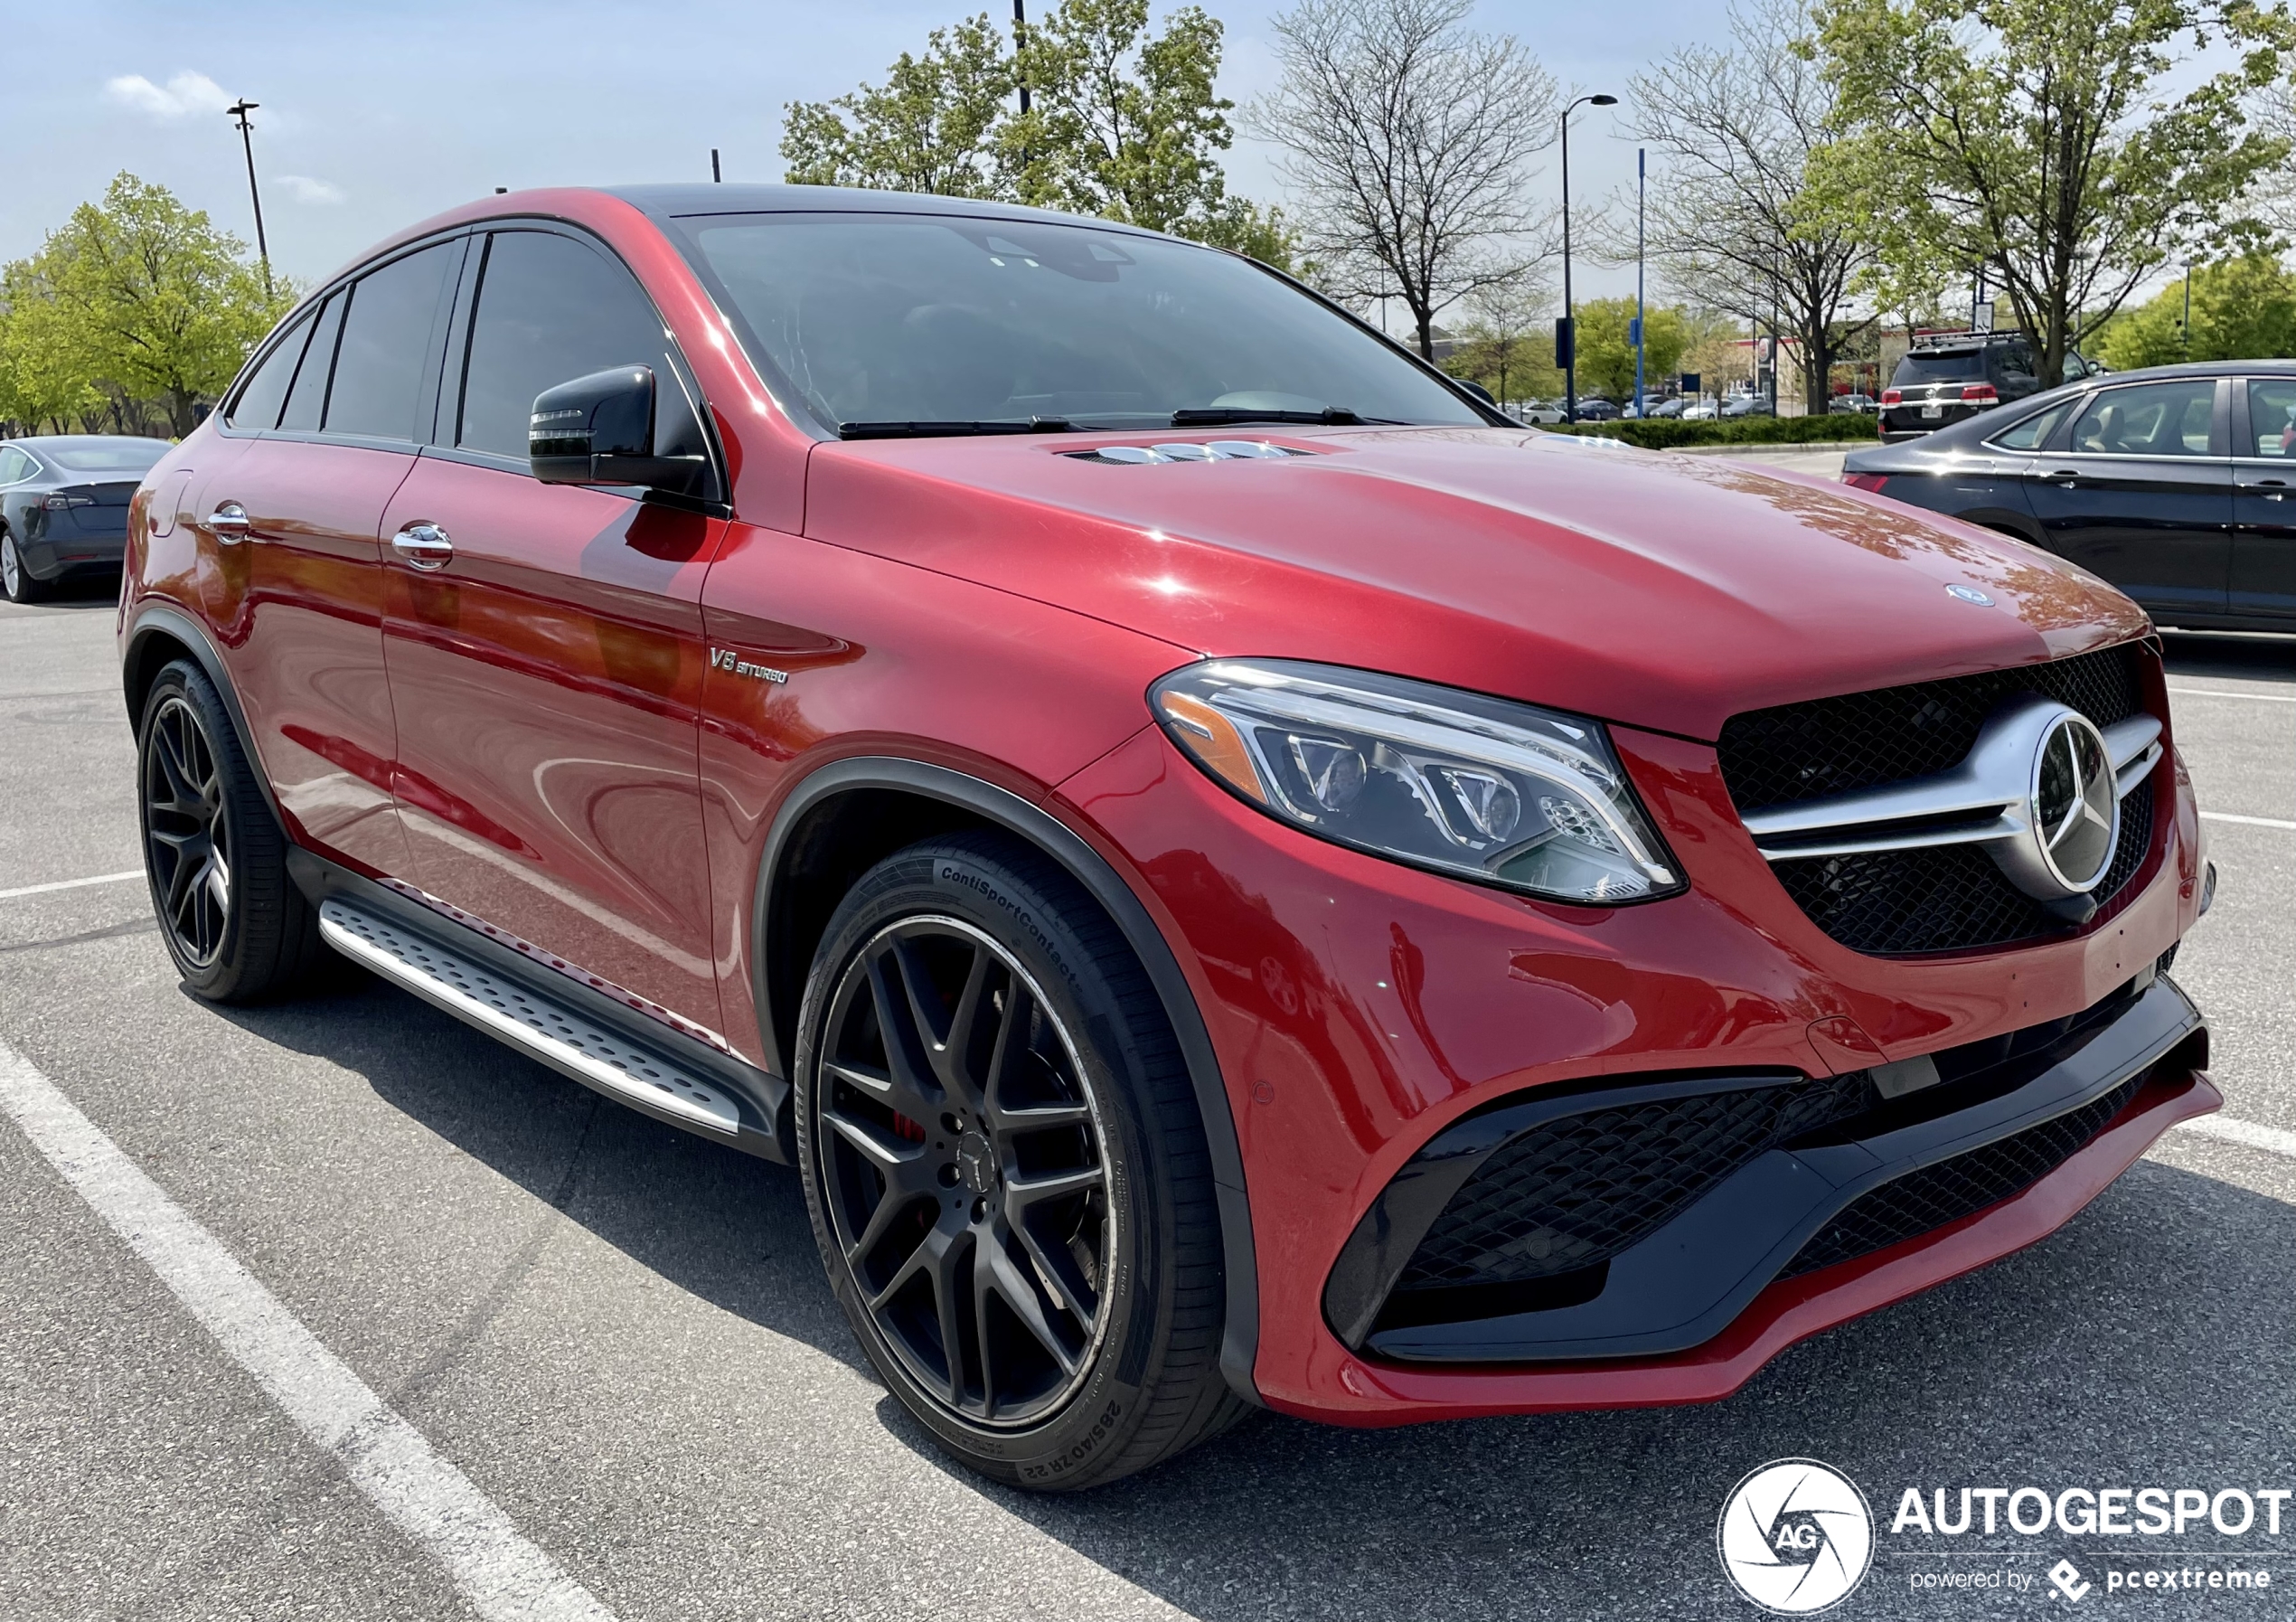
(1655, 1207)
(1360, 1009)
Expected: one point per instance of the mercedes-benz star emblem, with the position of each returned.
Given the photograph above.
(2077, 810)
(1970, 594)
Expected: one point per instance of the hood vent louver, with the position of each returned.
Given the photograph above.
(1217, 451)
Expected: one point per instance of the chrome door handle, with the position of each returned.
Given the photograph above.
(2065, 478)
(229, 523)
(2271, 489)
(424, 545)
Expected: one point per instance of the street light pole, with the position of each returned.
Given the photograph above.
(1570, 326)
(1640, 315)
(247, 142)
(2184, 335)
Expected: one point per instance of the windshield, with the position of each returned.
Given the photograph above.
(105, 456)
(938, 323)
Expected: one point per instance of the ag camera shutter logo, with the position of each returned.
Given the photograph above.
(1795, 1537)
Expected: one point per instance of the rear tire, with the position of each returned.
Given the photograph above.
(233, 920)
(1001, 1153)
(17, 581)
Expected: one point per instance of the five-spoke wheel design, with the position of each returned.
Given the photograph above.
(963, 1171)
(186, 830)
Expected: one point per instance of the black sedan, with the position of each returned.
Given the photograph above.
(2173, 482)
(63, 506)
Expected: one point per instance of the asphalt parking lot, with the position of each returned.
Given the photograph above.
(621, 1336)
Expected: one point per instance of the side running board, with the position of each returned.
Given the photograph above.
(550, 1031)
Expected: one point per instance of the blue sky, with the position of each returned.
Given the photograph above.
(373, 117)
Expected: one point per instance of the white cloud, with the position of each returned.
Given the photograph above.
(304, 189)
(186, 93)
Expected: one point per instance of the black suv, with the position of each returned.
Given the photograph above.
(1948, 377)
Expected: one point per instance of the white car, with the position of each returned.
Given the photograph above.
(1703, 411)
(1537, 411)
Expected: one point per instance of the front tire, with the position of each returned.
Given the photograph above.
(235, 924)
(1006, 1171)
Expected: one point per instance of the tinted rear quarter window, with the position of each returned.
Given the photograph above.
(2033, 432)
(379, 367)
(15, 466)
(552, 309)
(308, 395)
(259, 403)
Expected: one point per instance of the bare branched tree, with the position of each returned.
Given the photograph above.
(1728, 222)
(1409, 141)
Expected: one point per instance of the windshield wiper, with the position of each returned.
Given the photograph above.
(1219, 416)
(950, 429)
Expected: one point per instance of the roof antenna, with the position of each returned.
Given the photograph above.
(714, 175)
(502, 191)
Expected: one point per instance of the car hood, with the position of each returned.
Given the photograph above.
(1658, 589)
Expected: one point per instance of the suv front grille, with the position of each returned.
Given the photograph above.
(1934, 898)
(1920, 1202)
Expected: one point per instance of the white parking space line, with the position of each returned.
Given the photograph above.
(10, 895)
(2260, 698)
(2252, 822)
(505, 1577)
(2273, 1140)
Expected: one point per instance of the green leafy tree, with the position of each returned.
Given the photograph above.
(1607, 354)
(45, 377)
(2043, 140)
(1124, 122)
(933, 126)
(2242, 309)
(147, 296)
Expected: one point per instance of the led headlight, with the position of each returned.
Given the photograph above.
(1502, 793)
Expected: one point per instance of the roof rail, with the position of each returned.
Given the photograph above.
(1965, 336)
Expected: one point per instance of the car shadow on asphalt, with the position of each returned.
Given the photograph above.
(727, 1227)
(2153, 1340)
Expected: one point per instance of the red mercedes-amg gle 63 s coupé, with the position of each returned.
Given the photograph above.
(1235, 874)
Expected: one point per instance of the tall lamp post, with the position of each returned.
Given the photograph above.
(1568, 341)
(247, 142)
(1639, 312)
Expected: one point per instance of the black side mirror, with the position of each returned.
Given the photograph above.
(1477, 390)
(599, 430)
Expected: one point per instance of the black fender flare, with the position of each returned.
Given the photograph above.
(158, 617)
(1239, 1341)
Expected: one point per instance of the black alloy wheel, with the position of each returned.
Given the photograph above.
(1005, 1168)
(187, 837)
(213, 850)
(963, 1170)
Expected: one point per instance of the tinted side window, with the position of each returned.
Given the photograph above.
(308, 396)
(552, 309)
(15, 466)
(386, 344)
(2149, 420)
(259, 403)
(2030, 434)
